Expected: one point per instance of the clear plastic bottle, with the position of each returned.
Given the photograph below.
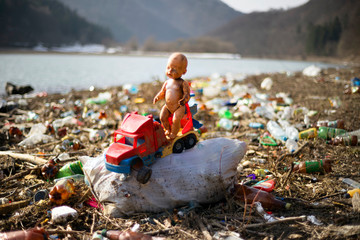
(350, 182)
(292, 133)
(30, 234)
(62, 191)
(334, 124)
(287, 113)
(226, 124)
(344, 140)
(276, 131)
(291, 145)
(250, 194)
(354, 133)
(256, 125)
(266, 112)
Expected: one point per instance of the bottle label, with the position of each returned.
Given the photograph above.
(310, 133)
(76, 167)
(314, 166)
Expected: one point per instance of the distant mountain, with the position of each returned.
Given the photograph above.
(26, 23)
(163, 20)
(320, 27)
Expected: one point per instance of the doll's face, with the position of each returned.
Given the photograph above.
(176, 66)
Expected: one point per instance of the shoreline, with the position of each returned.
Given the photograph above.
(349, 61)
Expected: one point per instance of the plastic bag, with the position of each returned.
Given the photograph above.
(201, 174)
(36, 135)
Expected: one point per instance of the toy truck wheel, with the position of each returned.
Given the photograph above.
(190, 141)
(144, 175)
(178, 146)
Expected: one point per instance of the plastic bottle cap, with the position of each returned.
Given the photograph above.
(41, 195)
(103, 232)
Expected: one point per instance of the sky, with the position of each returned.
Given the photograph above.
(247, 6)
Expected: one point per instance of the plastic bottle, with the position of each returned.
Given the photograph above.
(322, 166)
(62, 191)
(306, 120)
(344, 140)
(351, 193)
(30, 234)
(328, 133)
(276, 131)
(50, 169)
(350, 182)
(225, 113)
(267, 200)
(284, 123)
(287, 113)
(97, 236)
(291, 145)
(292, 133)
(70, 169)
(334, 124)
(226, 124)
(266, 111)
(256, 125)
(117, 235)
(309, 133)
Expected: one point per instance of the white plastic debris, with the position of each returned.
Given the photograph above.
(35, 136)
(201, 174)
(314, 220)
(266, 83)
(311, 71)
(63, 214)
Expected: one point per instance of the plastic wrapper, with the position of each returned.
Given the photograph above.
(201, 174)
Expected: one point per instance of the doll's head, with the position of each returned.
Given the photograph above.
(176, 66)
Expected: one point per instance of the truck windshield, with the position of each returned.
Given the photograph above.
(129, 140)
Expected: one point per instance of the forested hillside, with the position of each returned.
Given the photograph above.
(162, 20)
(28, 23)
(318, 28)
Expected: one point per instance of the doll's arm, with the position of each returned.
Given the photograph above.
(161, 93)
(186, 93)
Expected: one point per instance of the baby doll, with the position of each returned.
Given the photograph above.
(176, 92)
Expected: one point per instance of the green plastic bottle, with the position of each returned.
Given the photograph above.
(224, 113)
(322, 166)
(327, 132)
(70, 169)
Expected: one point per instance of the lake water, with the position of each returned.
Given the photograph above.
(59, 73)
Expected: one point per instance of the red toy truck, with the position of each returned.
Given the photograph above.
(140, 140)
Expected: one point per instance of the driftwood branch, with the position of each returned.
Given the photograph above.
(24, 157)
(203, 229)
(10, 207)
(289, 219)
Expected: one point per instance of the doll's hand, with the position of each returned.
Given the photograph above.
(155, 100)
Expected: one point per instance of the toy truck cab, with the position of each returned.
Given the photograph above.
(135, 145)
